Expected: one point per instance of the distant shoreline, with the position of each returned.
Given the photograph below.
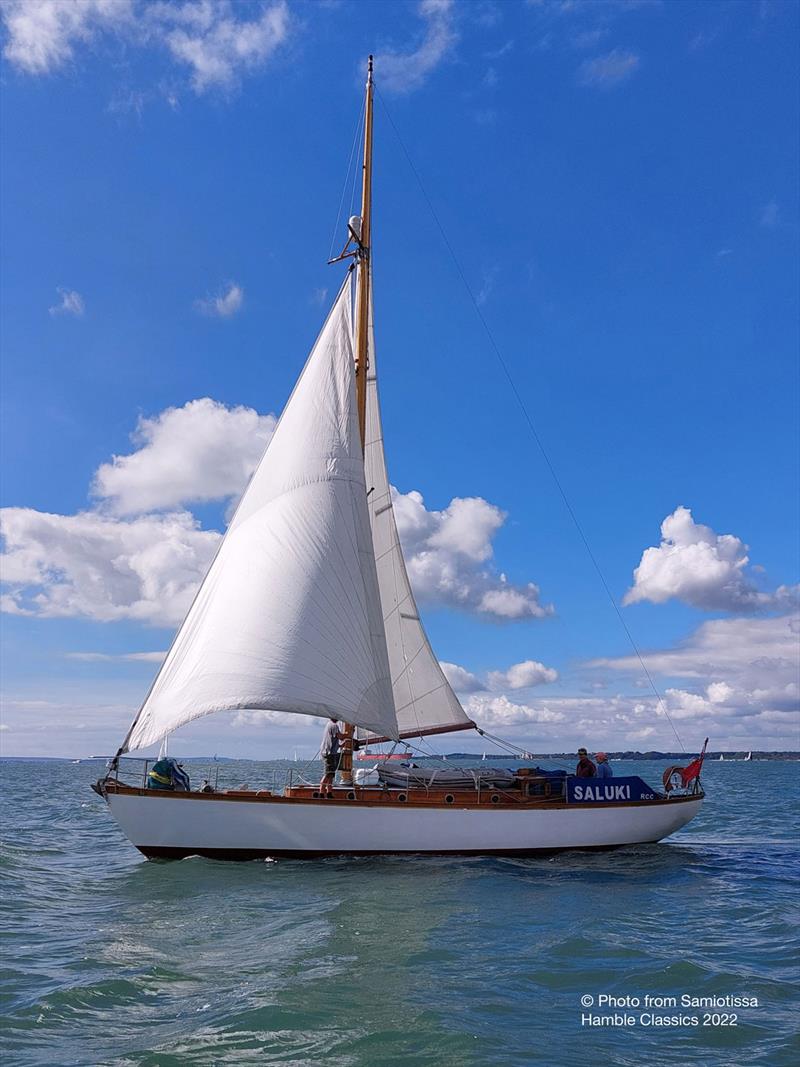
(711, 757)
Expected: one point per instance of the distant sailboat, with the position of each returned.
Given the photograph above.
(307, 609)
(748, 757)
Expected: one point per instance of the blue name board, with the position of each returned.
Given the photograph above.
(608, 790)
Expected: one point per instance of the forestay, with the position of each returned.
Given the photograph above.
(424, 700)
(288, 617)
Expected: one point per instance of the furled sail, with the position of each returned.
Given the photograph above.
(424, 700)
(288, 617)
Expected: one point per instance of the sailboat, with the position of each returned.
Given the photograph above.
(307, 609)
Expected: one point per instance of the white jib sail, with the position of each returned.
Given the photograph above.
(288, 617)
(424, 700)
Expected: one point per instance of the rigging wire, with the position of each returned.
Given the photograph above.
(515, 749)
(530, 423)
(359, 124)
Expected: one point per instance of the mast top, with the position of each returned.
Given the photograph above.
(369, 70)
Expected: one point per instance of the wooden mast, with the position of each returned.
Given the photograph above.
(362, 308)
(362, 337)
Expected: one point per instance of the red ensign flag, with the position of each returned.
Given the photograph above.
(688, 774)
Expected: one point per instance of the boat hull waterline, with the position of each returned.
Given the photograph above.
(176, 826)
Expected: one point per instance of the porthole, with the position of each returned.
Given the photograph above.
(351, 795)
(495, 798)
(401, 798)
(449, 799)
(316, 794)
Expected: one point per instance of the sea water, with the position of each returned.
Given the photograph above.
(110, 959)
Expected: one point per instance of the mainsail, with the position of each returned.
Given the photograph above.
(288, 617)
(424, 701)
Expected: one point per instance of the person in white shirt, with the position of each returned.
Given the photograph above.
(329, 750)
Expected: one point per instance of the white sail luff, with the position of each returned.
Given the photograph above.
(424, 700)
(288, 617)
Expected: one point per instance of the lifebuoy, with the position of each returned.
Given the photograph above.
(669, 774)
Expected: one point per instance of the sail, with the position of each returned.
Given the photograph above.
(288, 617)
(424, 700)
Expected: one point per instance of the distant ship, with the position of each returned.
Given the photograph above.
(365, 754)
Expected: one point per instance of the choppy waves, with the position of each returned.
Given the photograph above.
(112, 960)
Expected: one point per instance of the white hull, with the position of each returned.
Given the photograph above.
(177, 826)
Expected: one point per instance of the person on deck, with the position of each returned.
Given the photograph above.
(585, 768)
(603, 769)
(329, 750)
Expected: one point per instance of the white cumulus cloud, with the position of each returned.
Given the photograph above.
(140, 554)
(97, 567)
(42, 34)
(217, 41)
(224, 304)
(462, 680)
(522, 676)
(700, 567)
(449, 558)
(742, 678)
(747, 651)
(216, 44)
(199, 452)
(500, 711)
(401, 71)
(70, 303)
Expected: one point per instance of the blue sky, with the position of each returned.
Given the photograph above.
(619, 183)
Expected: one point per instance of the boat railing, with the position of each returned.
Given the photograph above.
(133, 771)
(115, 769)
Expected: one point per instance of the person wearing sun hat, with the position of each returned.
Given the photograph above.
(585, 768)
(603, 769)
